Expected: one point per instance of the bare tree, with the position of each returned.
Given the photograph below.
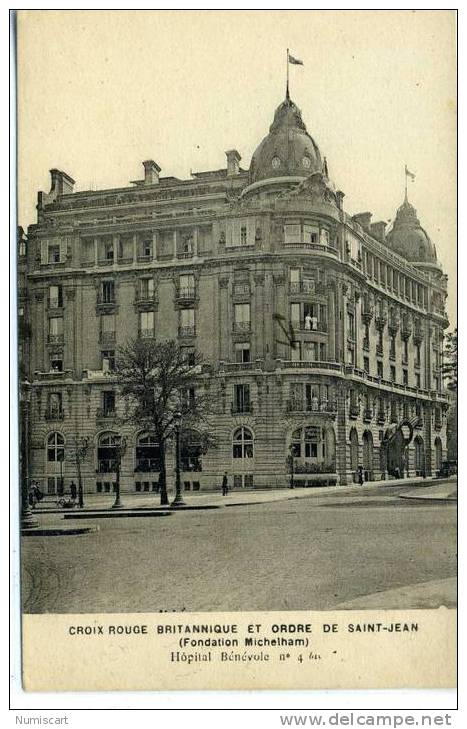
(160, 382)
(79, 450)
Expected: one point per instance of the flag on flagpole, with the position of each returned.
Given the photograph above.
(295, 61)
(409, 174)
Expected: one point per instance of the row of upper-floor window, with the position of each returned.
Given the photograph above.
(309, 396)
(183, 242)
(384, 275)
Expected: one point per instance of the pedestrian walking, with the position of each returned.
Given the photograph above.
(73, 491)
(225, 484)
(80, 496)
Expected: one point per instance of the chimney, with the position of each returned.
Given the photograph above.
(151, 172)
(364, 219)
(61, 183)
(340, 198)
(233, 159)
(378, 230)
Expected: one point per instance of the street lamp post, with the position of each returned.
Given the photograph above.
(178, 500)
(292, 485)
(28, 520)
(120, 452)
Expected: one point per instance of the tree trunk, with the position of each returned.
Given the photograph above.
(80, 478)
(163, 476)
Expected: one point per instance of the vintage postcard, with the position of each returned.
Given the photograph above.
(237, 349)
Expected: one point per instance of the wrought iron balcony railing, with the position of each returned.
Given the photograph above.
(241, 407)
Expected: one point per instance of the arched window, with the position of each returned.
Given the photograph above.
(147, 454)
(191, 451)
(106, 452)
(55, 448)
(242, 446)
(308, 443)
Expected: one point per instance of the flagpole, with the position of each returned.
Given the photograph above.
(405, 183)
(287, 88)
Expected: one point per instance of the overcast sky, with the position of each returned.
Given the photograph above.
(101, 91)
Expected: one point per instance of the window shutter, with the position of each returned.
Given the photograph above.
(63, 249)
(251, 231)
(44, 251)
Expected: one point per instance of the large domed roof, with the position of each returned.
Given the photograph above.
(288, 149)
(408, 238)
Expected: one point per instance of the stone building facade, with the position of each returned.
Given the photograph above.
(321, 332)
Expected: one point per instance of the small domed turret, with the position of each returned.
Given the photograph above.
(408, 238)
(288, 149)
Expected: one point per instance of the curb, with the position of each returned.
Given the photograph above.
(58, 531)
(116, 514)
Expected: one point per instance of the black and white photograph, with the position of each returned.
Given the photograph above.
(236, 313)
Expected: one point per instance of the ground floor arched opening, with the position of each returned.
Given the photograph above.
(354, 454)
(367, 441)
(438, 454)
(419, 456)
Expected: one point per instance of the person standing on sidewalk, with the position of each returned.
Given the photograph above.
(225, 484)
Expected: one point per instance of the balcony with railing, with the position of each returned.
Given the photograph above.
(106, 413)
(406, 328)
(242, 326)
(105, 303)
(144, 257)
(145, 297)
(307, 287)
(237, 408)
(186, 293)
(313, 405)
(309, 364)
(187, 331)
(146, 333)
(367, 415)
(310, 326)
(54, 414)
(367, 311)
(55, 338)
(240, 366)
(53, 375)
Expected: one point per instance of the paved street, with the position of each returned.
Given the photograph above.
(321, 552)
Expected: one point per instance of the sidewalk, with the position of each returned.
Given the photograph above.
(436, 492)
(213, 499)
(430, 594)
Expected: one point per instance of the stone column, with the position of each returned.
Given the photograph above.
(96, 251)
(280, 350)
(154, 246)
(174, 245)
(332, 323)
(258, 325)
(69, 349)
(224, 323)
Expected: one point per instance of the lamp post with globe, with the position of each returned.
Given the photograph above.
(178, 500)
(28, 520)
